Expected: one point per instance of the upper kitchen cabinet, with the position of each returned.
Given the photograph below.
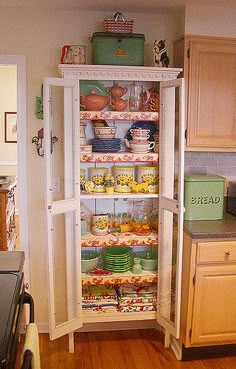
(210, 77)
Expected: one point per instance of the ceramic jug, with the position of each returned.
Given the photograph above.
(137, 268)
(138, 97)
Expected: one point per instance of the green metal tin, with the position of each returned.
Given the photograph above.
(203, 197)
(113, 48)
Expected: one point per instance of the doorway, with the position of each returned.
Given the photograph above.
(19, 61)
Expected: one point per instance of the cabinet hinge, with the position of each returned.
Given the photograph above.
(190, 332)
(194, 278)
(188, 53)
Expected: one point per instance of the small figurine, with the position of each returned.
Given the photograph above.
(109, 183)
(89, 186)
(139, 187)
(160, 57)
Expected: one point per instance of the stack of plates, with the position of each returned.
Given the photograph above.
(118, 259)
(107, 145)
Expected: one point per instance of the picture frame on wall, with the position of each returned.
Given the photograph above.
(10, 127)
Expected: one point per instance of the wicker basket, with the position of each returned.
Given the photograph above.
(118, 24)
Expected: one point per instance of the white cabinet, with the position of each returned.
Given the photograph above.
(62, 118)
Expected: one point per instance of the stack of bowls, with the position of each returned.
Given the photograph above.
(105, 132)
(118, 259)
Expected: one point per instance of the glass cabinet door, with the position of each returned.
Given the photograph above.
(62, 204)
(170, 242)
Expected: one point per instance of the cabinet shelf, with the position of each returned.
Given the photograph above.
(118, 239)
(117, 195)
(118, 157)
(119, 278)
(121, 115)
(118, 316)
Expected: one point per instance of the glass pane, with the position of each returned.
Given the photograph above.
(170, 137)
(62, 171)
(167, 266)
(63, 244)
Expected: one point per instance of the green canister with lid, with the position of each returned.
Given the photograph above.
(203, 197)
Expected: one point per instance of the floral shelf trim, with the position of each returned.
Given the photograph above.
(111, 280)
(128, 239)
(119, 157)
(124, 115)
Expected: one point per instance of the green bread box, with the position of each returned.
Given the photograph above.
(118, 48)
(203, 197)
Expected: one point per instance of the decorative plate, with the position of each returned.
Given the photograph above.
(86, 87)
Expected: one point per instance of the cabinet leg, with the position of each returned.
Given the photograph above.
(71, 343)
(167, 339)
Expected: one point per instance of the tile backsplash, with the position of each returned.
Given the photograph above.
(223, 164)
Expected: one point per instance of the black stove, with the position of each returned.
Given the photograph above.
(12, 298)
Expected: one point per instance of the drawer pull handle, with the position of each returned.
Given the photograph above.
(227, 253)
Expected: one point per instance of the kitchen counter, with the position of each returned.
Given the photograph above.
(205, 229)
(12, 261)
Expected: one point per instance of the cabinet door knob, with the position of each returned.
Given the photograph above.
(227, 253)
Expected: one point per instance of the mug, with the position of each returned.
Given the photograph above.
(100, 224)
(73, 54)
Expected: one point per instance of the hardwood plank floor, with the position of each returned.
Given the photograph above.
(134, 349)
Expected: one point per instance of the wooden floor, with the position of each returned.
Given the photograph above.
(141, 349)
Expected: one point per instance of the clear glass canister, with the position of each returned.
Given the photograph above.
(141, 220)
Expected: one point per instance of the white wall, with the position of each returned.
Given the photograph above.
(211, 20)
(8, 103)
(40, 36)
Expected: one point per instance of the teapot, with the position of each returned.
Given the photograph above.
(94, 101)
(116, 91)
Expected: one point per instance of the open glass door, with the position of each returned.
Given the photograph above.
(62, 203)
(170, 243)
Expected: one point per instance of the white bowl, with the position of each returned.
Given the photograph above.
(105, 132)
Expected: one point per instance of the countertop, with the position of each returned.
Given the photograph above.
(11, 261)
(203, 229)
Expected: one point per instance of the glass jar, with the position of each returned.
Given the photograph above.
(141, 220)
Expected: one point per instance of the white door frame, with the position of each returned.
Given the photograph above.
(20, 62)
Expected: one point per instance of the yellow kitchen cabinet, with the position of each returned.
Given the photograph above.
(208, 316)
(210, 77)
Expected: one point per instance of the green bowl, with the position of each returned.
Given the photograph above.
(89, 260)
(148, 260)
